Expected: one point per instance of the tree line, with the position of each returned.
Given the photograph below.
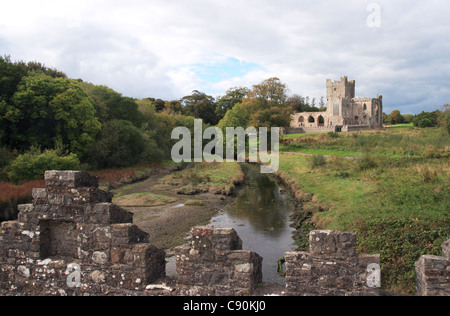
(48, 121)
(422, 120)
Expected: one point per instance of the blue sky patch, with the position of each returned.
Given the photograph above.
(223, 69)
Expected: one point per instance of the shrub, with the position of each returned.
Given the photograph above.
(367, 162)
(32, 165)
(317, 161)
(333, 135)
(121, 144)
(426, 119)
(6, 157)
(12, 195)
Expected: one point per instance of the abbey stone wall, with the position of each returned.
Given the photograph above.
(344, 112)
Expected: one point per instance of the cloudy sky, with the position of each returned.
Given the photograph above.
(167, 48)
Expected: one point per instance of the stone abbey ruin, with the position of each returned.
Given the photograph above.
(73, 241)
(345, 113)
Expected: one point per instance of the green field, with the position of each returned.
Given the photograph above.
(395, 142)
(396, 195)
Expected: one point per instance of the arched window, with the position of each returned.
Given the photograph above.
(321, 121)
(365, 107)
(311, 120)
(301, 121)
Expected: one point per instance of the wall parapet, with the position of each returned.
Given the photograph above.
(433, 273)
(72, 227)
(216, 265)
(73, 241)
(331, 268)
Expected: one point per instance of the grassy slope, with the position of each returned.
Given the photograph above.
(396, 196)
(218, 178)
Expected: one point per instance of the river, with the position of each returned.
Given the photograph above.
(260, 216)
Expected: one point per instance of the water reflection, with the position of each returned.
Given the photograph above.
(260, 215)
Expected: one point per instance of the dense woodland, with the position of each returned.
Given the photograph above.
(48, 121)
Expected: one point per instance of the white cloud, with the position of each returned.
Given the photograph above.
(155, 48)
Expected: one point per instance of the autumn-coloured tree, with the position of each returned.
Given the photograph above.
(396, 117)
(267, 104)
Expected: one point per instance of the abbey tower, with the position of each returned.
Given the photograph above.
(344, 111)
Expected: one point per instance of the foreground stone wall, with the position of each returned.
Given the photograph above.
(433, 274)
(216, 265)
(73, 241)
(331, 267)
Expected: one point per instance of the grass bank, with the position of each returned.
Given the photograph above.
(394, 143)
(395, 196)
(217, 178)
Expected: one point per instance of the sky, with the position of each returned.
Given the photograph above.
(167, 48)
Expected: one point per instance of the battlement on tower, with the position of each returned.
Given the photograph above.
(344, 89)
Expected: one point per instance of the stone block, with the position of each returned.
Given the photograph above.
(11, 228)
(127, 234)
(39, 196)
(204, 238)
(107, 214)
(333, 243)
(79, 196)
(432, 276)
(69, 180)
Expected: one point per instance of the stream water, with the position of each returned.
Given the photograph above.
(260, 216)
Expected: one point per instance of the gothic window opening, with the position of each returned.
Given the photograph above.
(321, 121)
(301, 121)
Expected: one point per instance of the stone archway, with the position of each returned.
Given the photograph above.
(320, 121)
(301, 121)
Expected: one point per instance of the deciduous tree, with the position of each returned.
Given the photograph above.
(46, 109)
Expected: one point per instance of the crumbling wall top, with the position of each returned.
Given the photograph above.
(69, 179)
(332, 243)
(215, 238)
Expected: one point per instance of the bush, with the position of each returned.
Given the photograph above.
(367, 162)
(426, 119)
(333, 135)
(317, 161)
(32, 165)
(13, 195)
(6, 158)
(121, 144)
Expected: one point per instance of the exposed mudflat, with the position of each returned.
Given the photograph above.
(169, 224)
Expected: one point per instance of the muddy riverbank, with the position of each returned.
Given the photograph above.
(163, 213)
